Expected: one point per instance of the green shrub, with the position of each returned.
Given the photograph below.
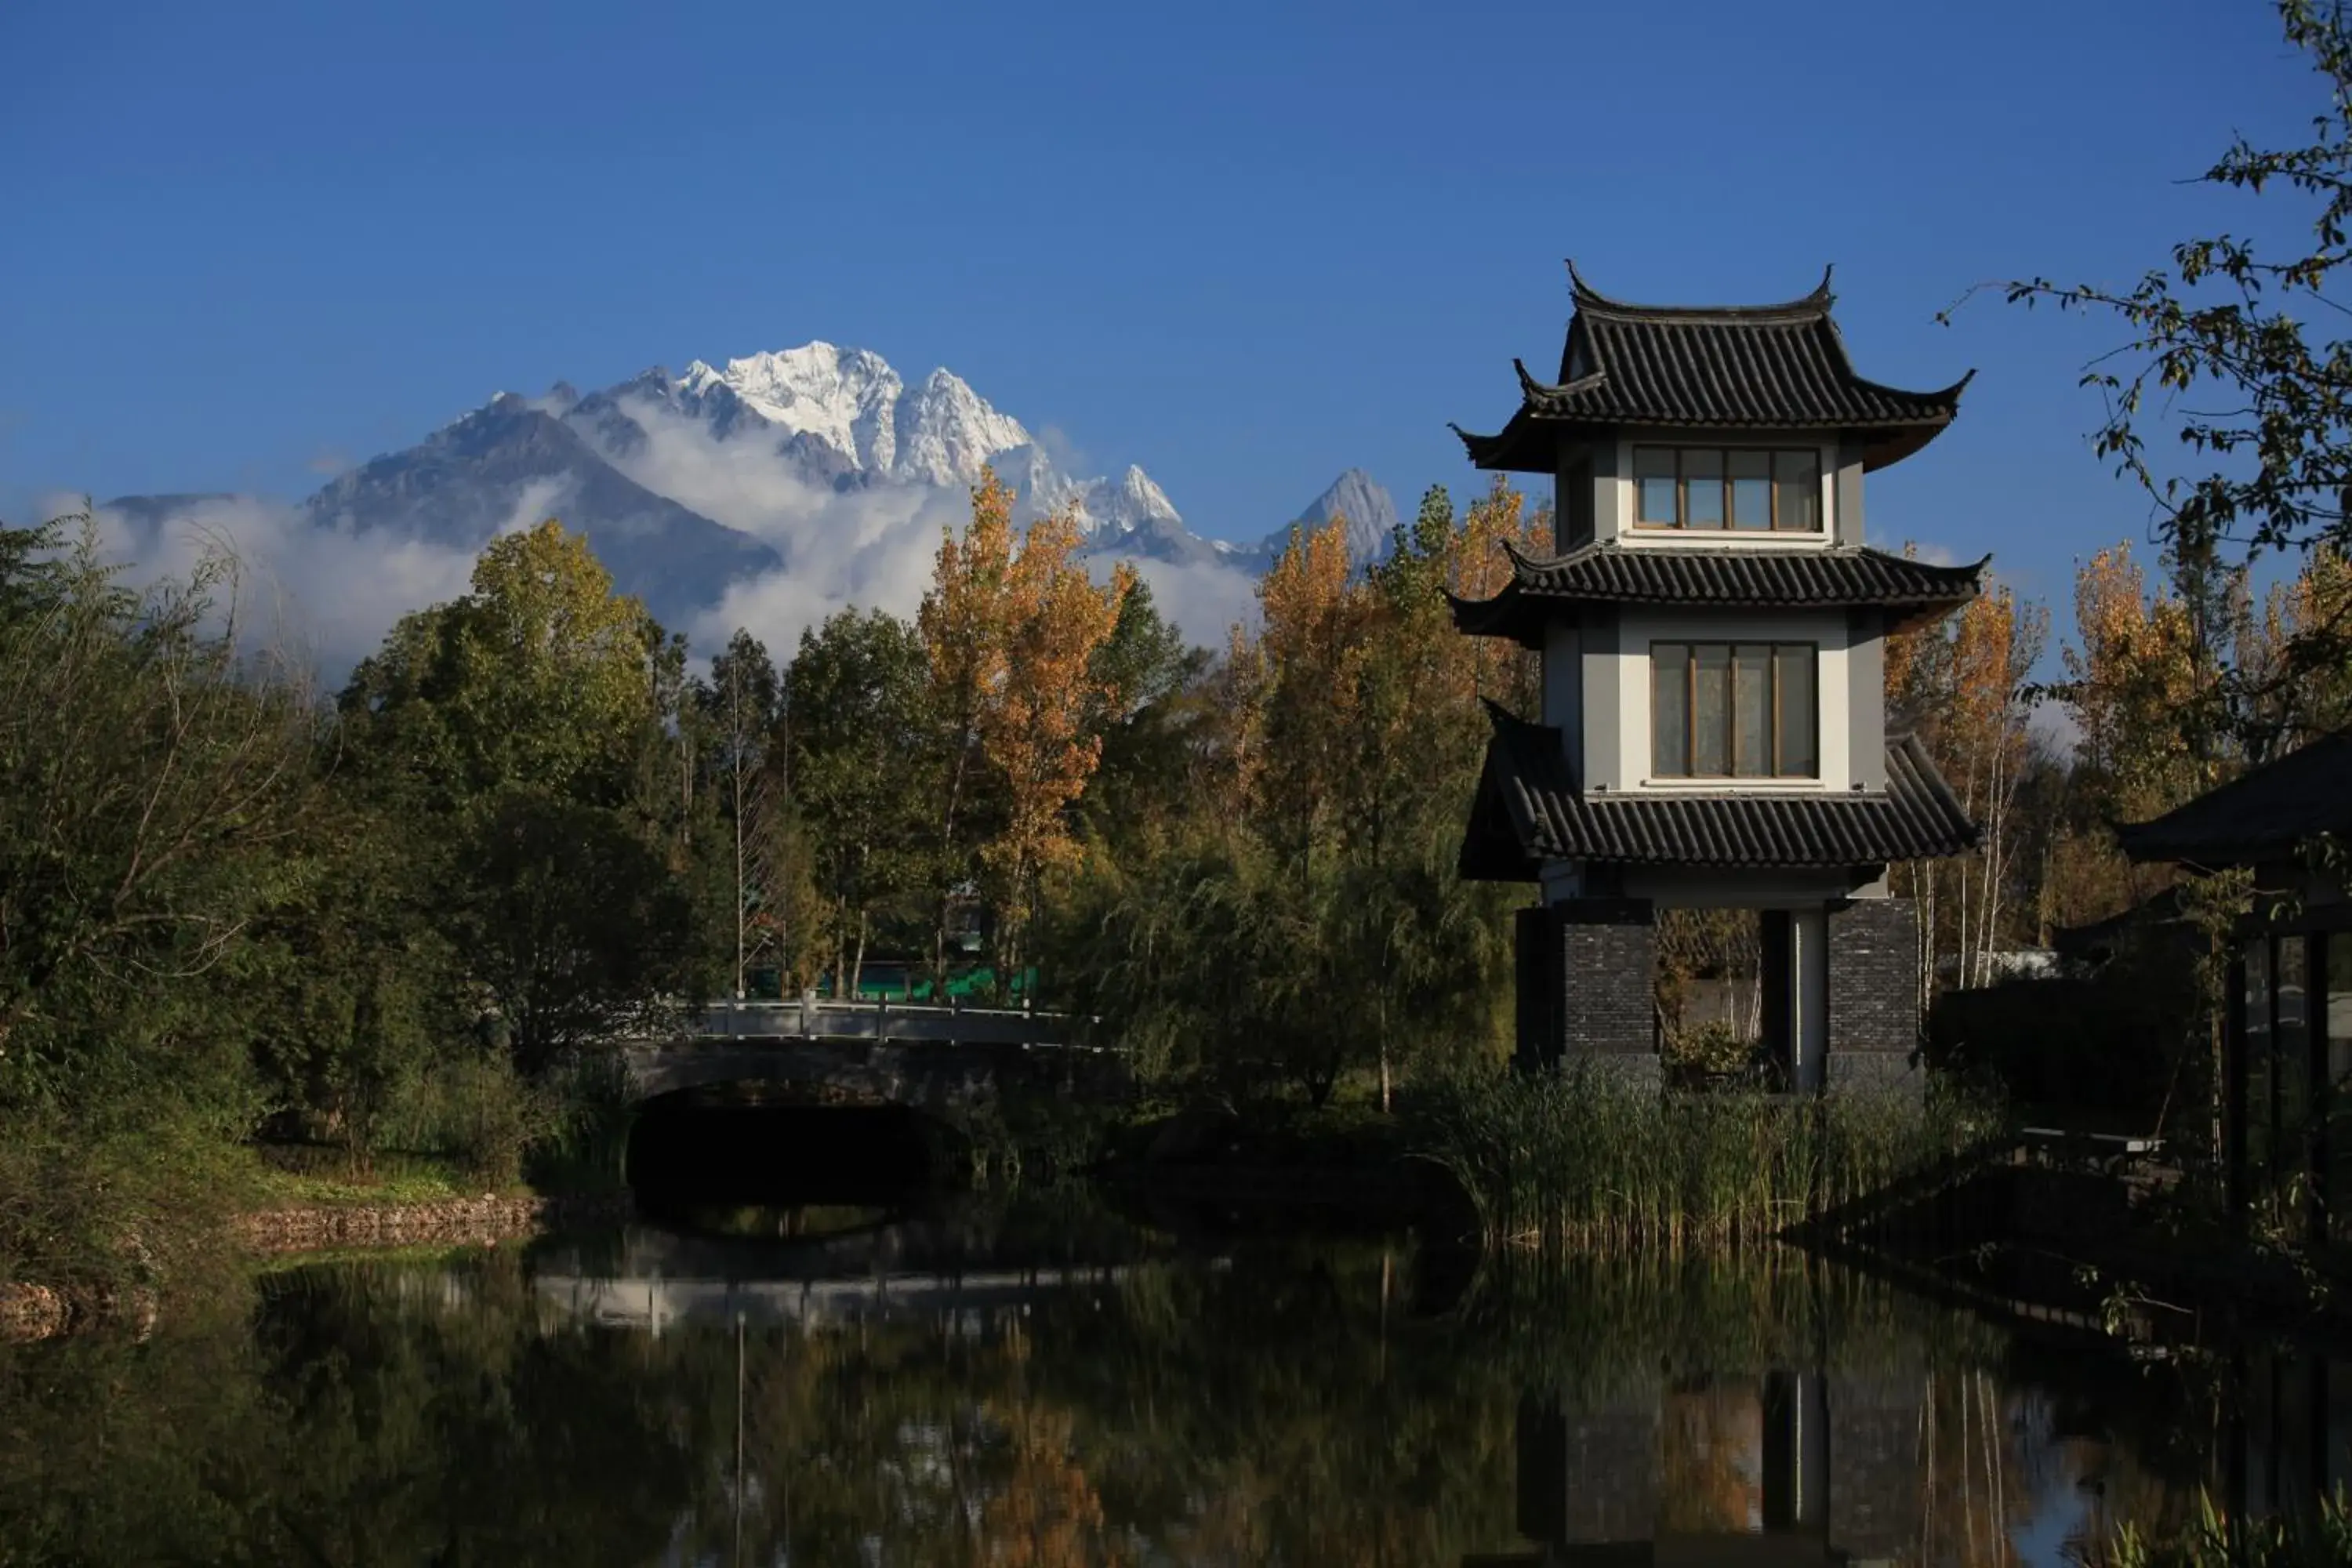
(1711, 1049)
(477, 1109)
(134, 1202)
(585, 1144)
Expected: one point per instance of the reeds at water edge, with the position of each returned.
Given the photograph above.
(1585, 1158)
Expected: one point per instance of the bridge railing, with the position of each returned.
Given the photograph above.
(814, 1018)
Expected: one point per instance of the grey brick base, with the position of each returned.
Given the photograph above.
(1585, 972)
(1874, 997)
(1873, 1072)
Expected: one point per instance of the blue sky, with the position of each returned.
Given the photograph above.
(1245, 246)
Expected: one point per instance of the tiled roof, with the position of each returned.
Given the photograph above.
(2268, 813)
(1529, 810)
(1721, 367)
(1607, 572)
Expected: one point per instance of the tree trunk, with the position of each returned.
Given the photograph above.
(965, 740)
(738, 874)
(857, 967)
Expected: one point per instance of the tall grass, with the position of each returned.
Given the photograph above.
(2213, 1540)
(1587, 1158)
(566, 1129)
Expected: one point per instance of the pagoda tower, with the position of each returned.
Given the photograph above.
(1713, 628)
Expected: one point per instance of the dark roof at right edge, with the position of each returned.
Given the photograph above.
(2268, 814)
(1717, 366)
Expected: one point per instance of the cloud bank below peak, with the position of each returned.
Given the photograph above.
(767, 494)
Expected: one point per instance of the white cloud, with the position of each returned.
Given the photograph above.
(1066, 453)
(330, 595)
(1203, 598)
(539, 499)
(868, 547)
(323, 596)
(872, 547)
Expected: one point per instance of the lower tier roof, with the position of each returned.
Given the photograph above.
(1530, 809)
(1729, 576)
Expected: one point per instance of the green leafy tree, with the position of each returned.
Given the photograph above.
(864, 771)
(537, 738)
(741, 707)
(354, 982)
(1151, 723)
(542, 676)
(155, 789)
(152, 783)
(573, 922)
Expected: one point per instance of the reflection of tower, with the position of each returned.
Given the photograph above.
(1588, 1474)
(1796, 1452)
(2287, 1442)
(1595, 1481)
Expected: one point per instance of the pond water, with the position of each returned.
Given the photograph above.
(1046, 1382)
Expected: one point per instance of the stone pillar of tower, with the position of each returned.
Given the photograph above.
(1874, 995)
(1586, 968)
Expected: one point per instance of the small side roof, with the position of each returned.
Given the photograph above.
(1732, 577)
(1767, 367)
(2268, 813)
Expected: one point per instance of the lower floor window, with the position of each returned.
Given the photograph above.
(1734, 710)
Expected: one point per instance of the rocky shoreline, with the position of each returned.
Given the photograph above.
(452, 1222)
(30, 1313)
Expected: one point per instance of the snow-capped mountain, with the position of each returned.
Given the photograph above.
(812, 475)
(846, 419)
(510, 458)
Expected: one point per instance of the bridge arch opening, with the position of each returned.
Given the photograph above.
(721, 1145)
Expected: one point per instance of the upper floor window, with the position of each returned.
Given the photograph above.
(1745, 711)
(1749, 488)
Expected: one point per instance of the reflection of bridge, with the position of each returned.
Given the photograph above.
(951, 1265)
(934, 1058)
(655, 1304)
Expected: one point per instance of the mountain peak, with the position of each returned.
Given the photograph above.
(1144, 494)
(1355, 495)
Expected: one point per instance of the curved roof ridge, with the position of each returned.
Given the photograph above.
(1907, 748)
(1805, 307)
(1531, 390)
(1520, 557)
(1942, 395)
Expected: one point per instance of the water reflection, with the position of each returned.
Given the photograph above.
(1045, 1383)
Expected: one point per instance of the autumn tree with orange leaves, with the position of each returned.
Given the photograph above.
(1012, 635)
(1964, 685)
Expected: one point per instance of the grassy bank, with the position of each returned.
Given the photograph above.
(1585, 1158)
(149, 1199)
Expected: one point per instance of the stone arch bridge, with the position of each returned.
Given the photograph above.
(944, 1061)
